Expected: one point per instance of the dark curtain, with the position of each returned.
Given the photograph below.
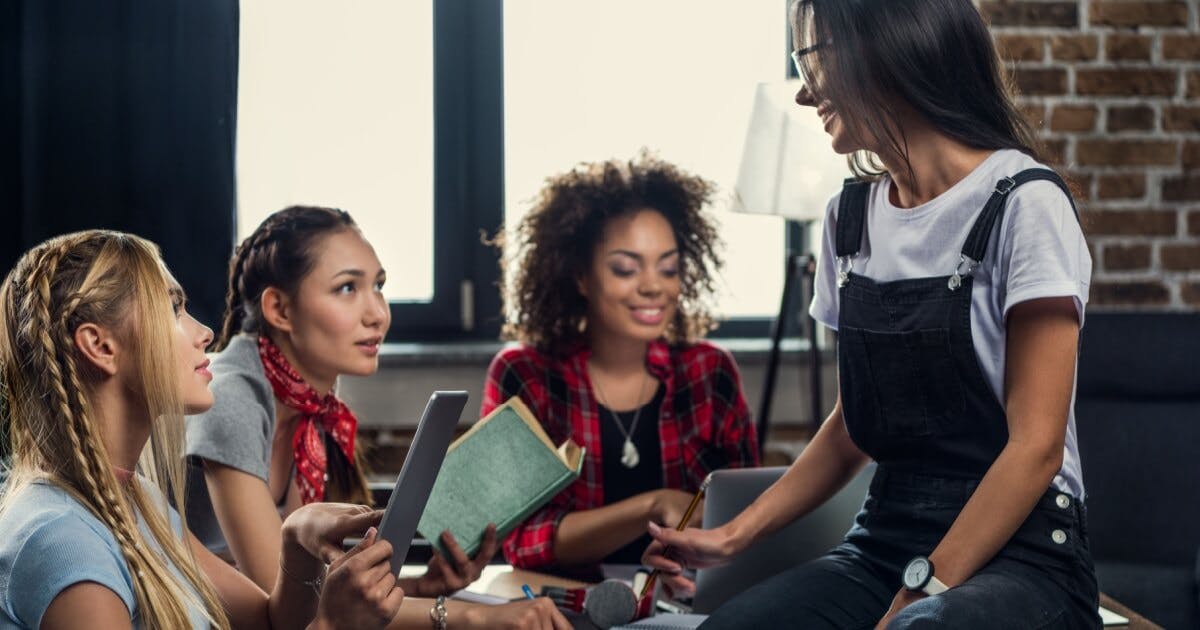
(120, 114)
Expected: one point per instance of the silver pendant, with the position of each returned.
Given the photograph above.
(629, 455)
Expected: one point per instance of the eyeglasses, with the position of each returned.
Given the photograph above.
(797, 54)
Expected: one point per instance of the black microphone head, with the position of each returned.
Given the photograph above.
(610, 603)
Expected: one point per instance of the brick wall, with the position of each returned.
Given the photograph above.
(1114, 87)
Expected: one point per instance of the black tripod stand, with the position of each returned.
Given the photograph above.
(800, 270)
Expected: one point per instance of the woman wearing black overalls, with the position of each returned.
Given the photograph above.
(956, 275)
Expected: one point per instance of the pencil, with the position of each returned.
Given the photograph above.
(687, 516)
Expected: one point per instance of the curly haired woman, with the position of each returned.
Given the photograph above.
(614, 266)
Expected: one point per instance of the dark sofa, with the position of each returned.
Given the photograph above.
(1138, 423)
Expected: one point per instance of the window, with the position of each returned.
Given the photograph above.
(335, 103)
(593, 81)
(435, 122)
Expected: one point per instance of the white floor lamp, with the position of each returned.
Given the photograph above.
(788, 169)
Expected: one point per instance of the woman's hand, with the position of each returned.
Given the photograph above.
(668, 507)
(360, 590)
(899, 602)
(537, 614)
(689, 549)
(444, 576)
(320, 528)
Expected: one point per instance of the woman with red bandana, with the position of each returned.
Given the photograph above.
(304, 306)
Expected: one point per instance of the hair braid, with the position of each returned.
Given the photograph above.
(235, 294)
(102, 494)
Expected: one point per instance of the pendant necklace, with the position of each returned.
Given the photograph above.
(629, 452)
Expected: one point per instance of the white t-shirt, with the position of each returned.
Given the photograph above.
(1037, 251)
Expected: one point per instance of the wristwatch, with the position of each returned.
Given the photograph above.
(918, 576)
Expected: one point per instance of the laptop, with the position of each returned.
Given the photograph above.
(806, 538)
(420, 471)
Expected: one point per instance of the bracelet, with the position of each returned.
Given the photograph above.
(314, 584)
(438, 613)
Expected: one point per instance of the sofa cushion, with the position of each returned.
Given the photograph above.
(1141, 471)
(1140, 355)
(1165, 595)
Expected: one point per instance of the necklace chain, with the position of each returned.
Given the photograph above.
(630, 455)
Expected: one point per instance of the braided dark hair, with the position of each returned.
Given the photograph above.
(279, 253)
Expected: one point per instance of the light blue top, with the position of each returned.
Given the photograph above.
(49, 541)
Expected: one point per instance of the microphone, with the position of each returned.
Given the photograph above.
(607, 604)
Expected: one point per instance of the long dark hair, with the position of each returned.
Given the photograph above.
(280, 253)
(934, 55)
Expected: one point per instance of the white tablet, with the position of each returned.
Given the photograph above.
(419, 472)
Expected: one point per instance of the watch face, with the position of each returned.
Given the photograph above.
(916, 574)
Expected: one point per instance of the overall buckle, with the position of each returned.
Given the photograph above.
(844, 265)
(1004, 186)
(966, 265)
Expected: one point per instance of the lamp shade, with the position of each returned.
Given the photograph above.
(788, 167)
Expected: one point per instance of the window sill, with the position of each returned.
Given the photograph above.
(746, 350)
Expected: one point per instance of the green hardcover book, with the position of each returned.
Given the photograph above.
(500, 471)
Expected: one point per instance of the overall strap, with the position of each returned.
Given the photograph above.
(993, 211)
(852, 215)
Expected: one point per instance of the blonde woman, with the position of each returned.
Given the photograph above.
(100, 358)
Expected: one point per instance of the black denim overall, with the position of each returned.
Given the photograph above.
(915, 399)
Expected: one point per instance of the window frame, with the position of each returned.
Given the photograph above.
(468, 105)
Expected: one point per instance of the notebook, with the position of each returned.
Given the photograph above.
(500, 471)
(666, 622)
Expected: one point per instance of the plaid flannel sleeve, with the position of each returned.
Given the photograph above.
(736, 432)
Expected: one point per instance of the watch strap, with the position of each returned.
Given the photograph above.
(935, 586)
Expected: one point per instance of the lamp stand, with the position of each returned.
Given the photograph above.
(800, 269)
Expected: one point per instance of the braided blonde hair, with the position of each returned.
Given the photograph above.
(116, 280)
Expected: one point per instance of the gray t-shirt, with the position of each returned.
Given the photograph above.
(236, 432)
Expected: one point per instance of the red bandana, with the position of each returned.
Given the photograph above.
(329, 412)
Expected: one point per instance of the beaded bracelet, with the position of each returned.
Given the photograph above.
(438, 613)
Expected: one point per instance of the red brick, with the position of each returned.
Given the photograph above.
(1190, 157)
(1133, 118)
(1073, 118)
(1190, 292)
(1080, 184)
(1134, 14)
(1040, 81)
(1124, 82)
(1181, 46)
(1034, 114)
(1194, 223)
(1181, 118)
(1193, 84)
(1183, 188)
(1021, 47)
(1137, 293)
(1090, 152)
(1122, 186)
(1007, 13)
(1130, 222)
(1119, 47)
(1119, 257)
(1056, 150)
(1074, 47)
(1180, 257)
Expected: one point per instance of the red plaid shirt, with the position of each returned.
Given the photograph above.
(704, 424)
